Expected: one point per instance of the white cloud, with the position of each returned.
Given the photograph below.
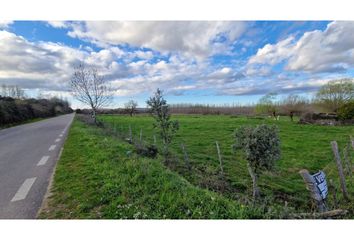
(274, 54)
(330, 50)
(58, 24)
(5, 24)
(192, 38)
(35, 65)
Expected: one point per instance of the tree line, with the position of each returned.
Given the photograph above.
(16, 108)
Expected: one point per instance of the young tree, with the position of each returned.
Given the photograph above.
(90, 88)
(266, 104)
(294, 104)
(261, 145)
(163, 124)
(335, 93)
(130, 107)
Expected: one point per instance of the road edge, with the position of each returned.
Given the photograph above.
(48, 193)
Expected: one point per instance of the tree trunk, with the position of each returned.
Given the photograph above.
(94, 115)
(256, 192)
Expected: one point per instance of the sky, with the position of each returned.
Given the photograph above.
(214, 62)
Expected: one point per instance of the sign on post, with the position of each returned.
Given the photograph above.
(317, 186)
(321, 183)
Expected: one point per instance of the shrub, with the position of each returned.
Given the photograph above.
(146, 150)
(261, 145)
(18, 110)
(346, 111)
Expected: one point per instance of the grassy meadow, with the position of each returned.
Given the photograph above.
(302, 146)
(99, 176)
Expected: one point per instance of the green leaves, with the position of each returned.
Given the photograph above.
(261, 145)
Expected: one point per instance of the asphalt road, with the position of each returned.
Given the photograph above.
(28, 154)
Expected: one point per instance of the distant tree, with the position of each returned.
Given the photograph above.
(90, 88)
(163, 123)
(266, 104)
(130, 107)
(335, 93)
(294, 105)
(13, 91)
(346, 111)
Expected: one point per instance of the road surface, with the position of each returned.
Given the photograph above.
(28, 154)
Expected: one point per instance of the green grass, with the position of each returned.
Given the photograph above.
(303, 146)
(95, 178)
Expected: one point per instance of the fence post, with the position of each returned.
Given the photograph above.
(154, 140)
(348, 164)
(334, 191)
(185, 155)
(220, 159)
(312, 187)
(141, 134)
(340, 169)
(130, 134)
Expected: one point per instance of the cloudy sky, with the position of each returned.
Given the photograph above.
(199, 62)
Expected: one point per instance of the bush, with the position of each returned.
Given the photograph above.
(149, 150)
(261, 145)
(19, 110)
(346, 111)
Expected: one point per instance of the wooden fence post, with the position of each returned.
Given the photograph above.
(141, 134)
(186, 158)
(220, 159)
(348, 165)
(130, 134)
(340, 169)
(334, 192)
(312, 187)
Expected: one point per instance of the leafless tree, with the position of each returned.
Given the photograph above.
(90, 88)
(13, 91)
(130, 107)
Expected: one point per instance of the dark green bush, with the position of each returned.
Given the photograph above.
(346, 111)
(19, 110)
(261, 145)
(148, 150)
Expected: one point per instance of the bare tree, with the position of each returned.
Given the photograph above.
(90, 88)
(13, 91)
(294, 105)
(130, 107)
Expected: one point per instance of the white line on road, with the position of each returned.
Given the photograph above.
(51, 148)
(43, 161)
(57, 140)
(24, 189)
(60, 135)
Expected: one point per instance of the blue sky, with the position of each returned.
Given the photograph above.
(193, 62)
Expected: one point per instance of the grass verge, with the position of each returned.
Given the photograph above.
(97, 178)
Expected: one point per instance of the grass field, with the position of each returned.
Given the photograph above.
(98, 177)
(302, 146)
